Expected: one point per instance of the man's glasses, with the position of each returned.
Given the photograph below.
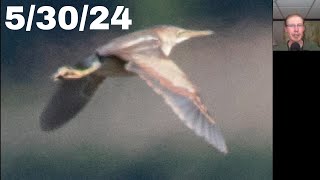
(294, 25)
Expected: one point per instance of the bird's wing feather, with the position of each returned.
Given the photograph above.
(166, 78)
(70, 97)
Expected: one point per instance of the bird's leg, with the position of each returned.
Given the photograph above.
(66, 72)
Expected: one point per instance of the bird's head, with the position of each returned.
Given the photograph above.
(177, 35)
(172, 35)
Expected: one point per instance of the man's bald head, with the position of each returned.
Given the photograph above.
(291, 16)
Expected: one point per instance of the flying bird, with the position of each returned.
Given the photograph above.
(143, 53)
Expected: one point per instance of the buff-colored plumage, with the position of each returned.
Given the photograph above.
(144, 53)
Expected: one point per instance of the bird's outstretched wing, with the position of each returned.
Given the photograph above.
(70, 97)
(166, 78)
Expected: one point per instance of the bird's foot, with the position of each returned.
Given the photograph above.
(71, 73)
(67, 73)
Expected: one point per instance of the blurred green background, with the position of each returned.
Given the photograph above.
(127, 131)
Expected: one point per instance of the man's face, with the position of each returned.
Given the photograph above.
(295, 28)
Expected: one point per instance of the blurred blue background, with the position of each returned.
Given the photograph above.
(127, 131)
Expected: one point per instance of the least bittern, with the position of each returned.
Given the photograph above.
(144, 53)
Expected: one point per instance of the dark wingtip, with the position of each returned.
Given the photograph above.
(47, 123)
(66, 102)
(69, 98)
(45, 127)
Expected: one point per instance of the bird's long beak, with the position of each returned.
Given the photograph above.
(191, 33)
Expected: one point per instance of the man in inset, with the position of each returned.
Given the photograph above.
(294, 27)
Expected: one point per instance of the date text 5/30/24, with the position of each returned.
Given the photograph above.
(16, 21)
